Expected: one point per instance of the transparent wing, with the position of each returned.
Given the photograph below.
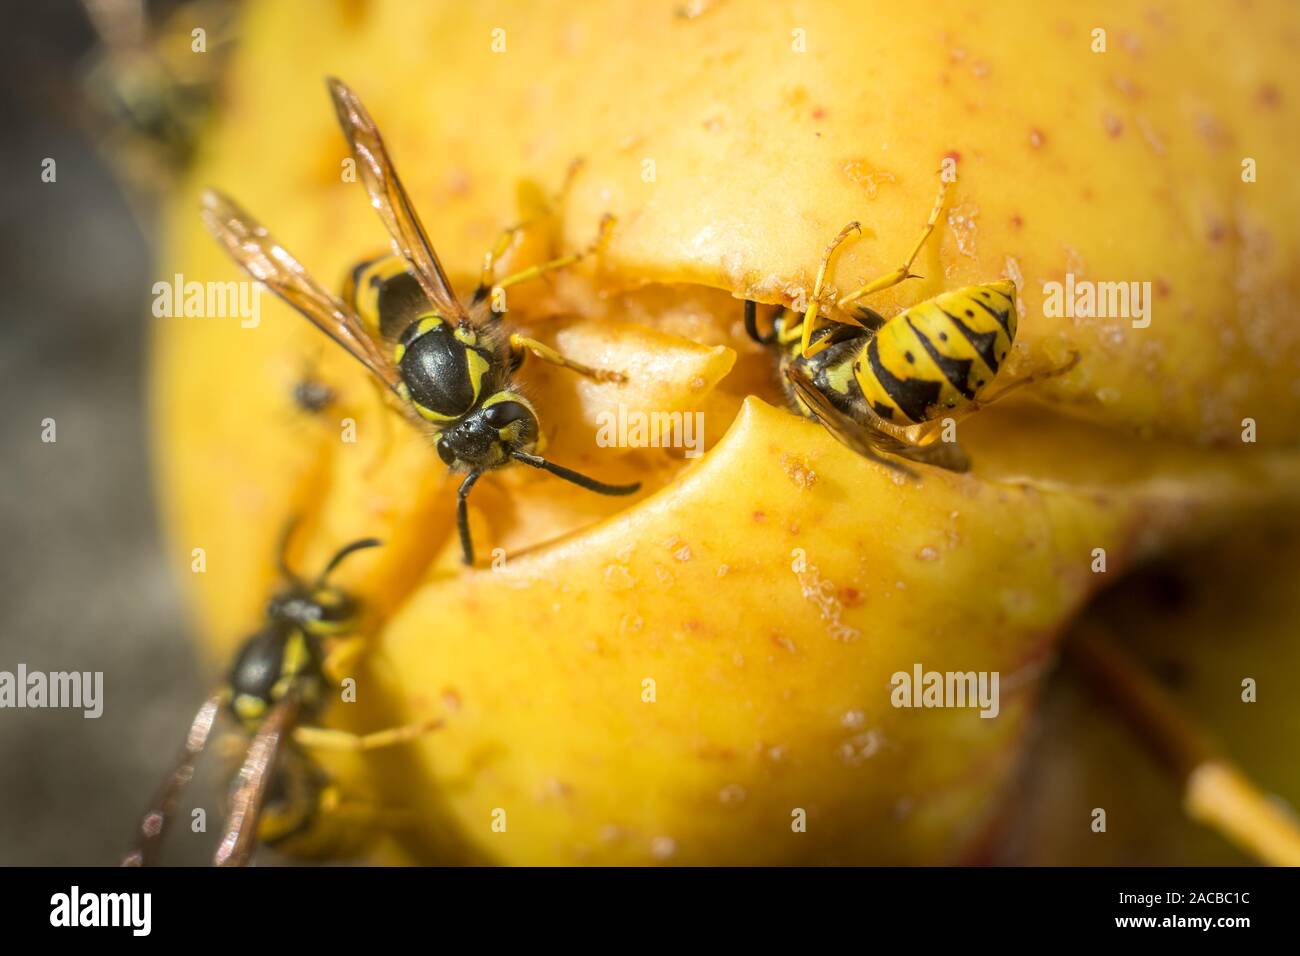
(149, 837)
(390, 200)
(257, 253)
(871, 443)
(239, 836)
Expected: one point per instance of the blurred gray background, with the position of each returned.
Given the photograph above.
(82, 581)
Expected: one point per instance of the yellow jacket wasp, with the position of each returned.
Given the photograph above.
(280, 678)
(450, 365)
(872, 381)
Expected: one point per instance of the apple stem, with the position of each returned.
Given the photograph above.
(1216, 792)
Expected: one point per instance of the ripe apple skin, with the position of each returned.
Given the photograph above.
(760, 153)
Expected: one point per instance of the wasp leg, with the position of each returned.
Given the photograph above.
(486, 285)
(490, 260)
(341, 659)
(532, 272)
(330, 738)
(893, 278)
(355, 811)
(1020, 383)
(809, 323)
(927, 430)
(519, 344)
(925, 443)
(533, 206)
(344, 824)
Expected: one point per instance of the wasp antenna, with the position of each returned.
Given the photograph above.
(282, 552)
(343, 552)
(462, 518)
(751, 324)
(577, 478)
(751, 321)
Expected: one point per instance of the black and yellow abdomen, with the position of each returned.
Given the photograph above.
(939, 355)
(305, 814)
(385, 295)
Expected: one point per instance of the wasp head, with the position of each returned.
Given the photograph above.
(491, 434)
(317, 609)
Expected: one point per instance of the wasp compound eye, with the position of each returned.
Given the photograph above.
(503, 413)
(445, 453)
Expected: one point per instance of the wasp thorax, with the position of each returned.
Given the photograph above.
(268, 664)
(442, 366)
(257, 668)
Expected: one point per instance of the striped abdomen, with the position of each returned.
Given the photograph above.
(940, 354)
(385, 295)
